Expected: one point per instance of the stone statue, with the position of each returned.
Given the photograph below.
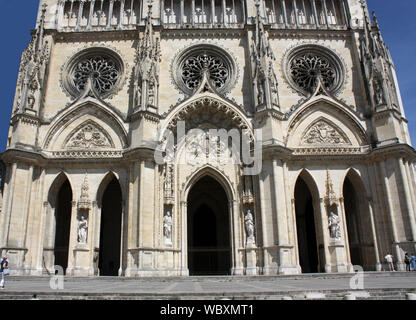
(249, 222)
(261, 93)
(378, 93)
(334, 227)
(167, 225)
(82, 230)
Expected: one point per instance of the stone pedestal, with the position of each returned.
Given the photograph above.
(82, 267)
(251, 261)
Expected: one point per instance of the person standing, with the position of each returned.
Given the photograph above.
(389, 259)
(4, 269)
(413, 263)
(407, 261)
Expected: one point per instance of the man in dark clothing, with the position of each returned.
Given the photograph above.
(4, 264)
(407, 261)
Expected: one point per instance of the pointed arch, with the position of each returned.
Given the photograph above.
(210, 171)
(94, 110)
(108, 178)
(306, 176)
(322, 106)
(230, 113)
(55, 186)
(309, 239)
(354, 176)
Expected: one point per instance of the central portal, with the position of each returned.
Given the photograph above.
(209, 249)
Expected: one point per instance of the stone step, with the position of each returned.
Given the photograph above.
(378, 294)
(224, 278)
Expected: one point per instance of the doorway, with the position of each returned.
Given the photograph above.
(306, 230)
(63, 225)
(209, 249)
(110, 230)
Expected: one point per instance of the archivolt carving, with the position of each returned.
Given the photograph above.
(209, 109)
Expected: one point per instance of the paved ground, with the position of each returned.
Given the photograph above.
(211, 285)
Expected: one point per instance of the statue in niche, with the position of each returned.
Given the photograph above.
(151, 93)
(334, 226)
(167, 226)
(378, 92)
(249, 223)
(261, 93)
(82, 230)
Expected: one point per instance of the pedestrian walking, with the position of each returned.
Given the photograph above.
(389, 259)
(407, 261)
(413, 263)
(4, 269)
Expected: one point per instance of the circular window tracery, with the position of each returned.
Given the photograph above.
(189, 68)
(103, 66)
(102, 70)
(195, 66)
(307, 64)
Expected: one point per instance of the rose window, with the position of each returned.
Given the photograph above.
(308, 64)
(194, 68)
(191, 64)
(103, 66)
(102, 70)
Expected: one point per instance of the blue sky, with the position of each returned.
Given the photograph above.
(396, 18)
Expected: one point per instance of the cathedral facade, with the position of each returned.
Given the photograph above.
(113, 166)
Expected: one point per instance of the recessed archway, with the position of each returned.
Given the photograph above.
(63, 211)
(306, 227)
(209, 239)
(110, 230)
(358, 222)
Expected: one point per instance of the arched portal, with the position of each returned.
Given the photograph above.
(358, 223)
(306, 228)
(62, 225)
(110, 230)
(209, 240)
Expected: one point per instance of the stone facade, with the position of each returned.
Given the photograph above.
(101, 82)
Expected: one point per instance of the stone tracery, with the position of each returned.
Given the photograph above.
(193, 68)
(103, 70)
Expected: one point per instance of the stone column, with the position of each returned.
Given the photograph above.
(110, 14)
(184, 239)
(91, 15)
(411, 181)
(224, 21)
(182, 12)
(326, 13)
(409, 205)
(315, 13)
(213, 12)
(237, 266)
(132, 218)
(80, 13)
(345, 13)
(60, 16)
(391, 213)
(121, 17)
(324, 226)
(72, 239)
(348, 263)
(193, 13)
(284, 13)
(295, 11)
(374, 235)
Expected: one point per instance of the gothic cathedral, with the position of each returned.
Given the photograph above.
(206, 137)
